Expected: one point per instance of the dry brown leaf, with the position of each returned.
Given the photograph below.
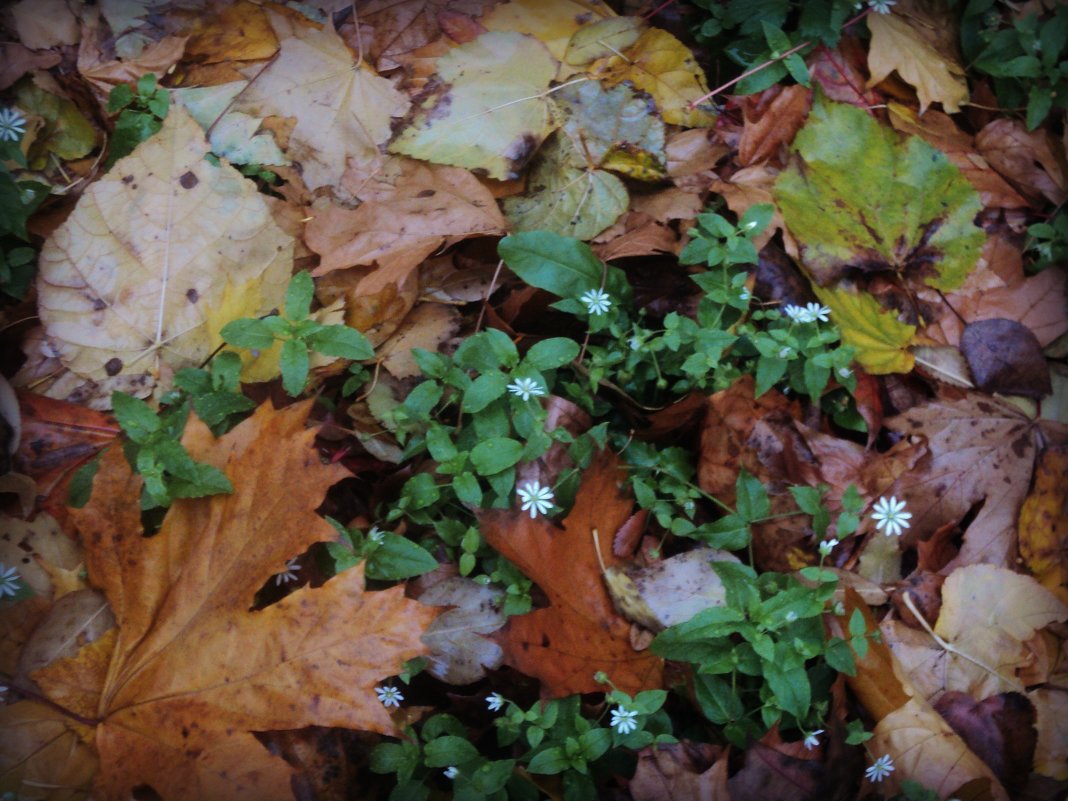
(40, 750)
(748, 187)
(43, 24)
(905, 45)
(982, 449)
(1032, 161)
(579, 633)
(193, 672)
(343, 109)
(104, 72)
(840, 73)
(410, 209)
(237, 32)
(772, 118)
(1051, 752)
(681, 771)
(157, 256)
(16, 61)
(427, 326)
(400, 27)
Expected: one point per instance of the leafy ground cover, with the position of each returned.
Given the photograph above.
(435, 399)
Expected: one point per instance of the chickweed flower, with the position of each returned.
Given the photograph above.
(535, 498)
(12, 125)
(495, 702)
(880, 768)
(890, 516)
(289, 574)
(376, 535)
(9, 581)
(451, 772)
(796, 313)
(623, 720)
(881, 6)
(785, 352)
(815, 311)
(597, 301)
(526, 388)
(813, 739)
(389, 696)
(827, 546)
(844, 372)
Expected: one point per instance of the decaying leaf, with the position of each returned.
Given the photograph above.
(400, 27)
(193, 672)
(918, 224)
(487, 110)
(1044, 523)
(343, 109)
(1005, 358)
(881, 340)
(552, 22)
(233, 134)
(40, 750)
(579, 633)
(126, 284)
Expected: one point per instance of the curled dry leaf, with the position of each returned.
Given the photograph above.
(1029, 160)
(772, 118)
(579, 633)
(1005, 358)
(192, 672)
(157, 248)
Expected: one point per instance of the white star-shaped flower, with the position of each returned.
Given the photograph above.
(597, 301)
(526, 388)
(815, 311)
(744, 294)
(289, 574)
(791, 616)
(495, 701)
(813, 739)
(785, 352)
(451, 772)
(844, 372)
(798, 314)
(376, 535)
(880, 768)
(535, 498)
(389, 696)
(881, 7)
(890, 516)
(12, 125)
(827, 546)
(9, 581)
(623, 720)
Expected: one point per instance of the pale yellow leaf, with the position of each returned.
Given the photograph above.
(126, 284)
(897, 45)
(343, 110)
(1051, 752)
(881, 340)
(552, 22)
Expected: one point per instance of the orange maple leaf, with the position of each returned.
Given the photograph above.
(191, 672)
(580, 632)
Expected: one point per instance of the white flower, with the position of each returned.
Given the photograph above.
(376, 535)
(744, 294)
(785, 352)
(451, 772)
(526, 388)
(623, 720)
(890, 515)
(12, 125)
(535, 498)
(791, 616)
(881, 7)
(9, 581)
(597, 301)
(817, 312)
(289, 574)
(827, 546)
(796, 313)
(844, 372)
(635, 342)
(813, 739)
(389, 696)
(749, 226)
(495, 702)
(880, 768)
(838, 608)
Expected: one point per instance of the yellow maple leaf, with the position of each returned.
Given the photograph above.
(878, 336)
(897, 45)
(552, 22)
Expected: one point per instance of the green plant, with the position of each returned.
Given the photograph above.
(1026, 56)
(18, 200)
(153, 449)
(1049, 242)
(141, 114)
(215, 392)
(389, 556)
(298, 334)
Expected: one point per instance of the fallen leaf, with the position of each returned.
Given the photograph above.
(999, 730)
(126, 284)
(982, 450)
(602, 38)
(409, 210)
(1026, 159)
(75, 620)
(16, 61)
(427, 326)
(552, 22)
(233, 135)
(840, 73)
(579, 633)
(66, 133)
(1051, 751)
(680, 771)
(237, 32)
(193, 671)
(343, 109)
(746, 188)
(43, 24)
(897, 44)
(664, 67)
(103, 71)
(880, 338)
(918, 225)
(774, 769)
(772, 119)
(1044, 523)
(495, 85)
(39, 750)
(403, 26)
(1005, 358)
(48, 561)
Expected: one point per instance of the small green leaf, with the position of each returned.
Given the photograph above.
(121, 96)
(496, 454)
(562, 265)
(549, 762)
(341, 341)
(487, 350)
(299, 296)
(81, 483)
(719, 702)
(293, 360)
(398, 558)
(484, 390)
(793, 692)
(135, 416)
(753, 504)
(146, 84)
(248, 333)
(552, 353)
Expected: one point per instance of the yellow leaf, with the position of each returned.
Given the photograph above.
(1051, 751)
(879, 337)
(127, 283)
(661, 65)
(897, 45)
(1044, 524)
(552, 22)
(343, 110)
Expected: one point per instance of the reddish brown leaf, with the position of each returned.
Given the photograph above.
(840, 73)
(772, 118)
(580, 632)
(1005, 358)
(1000, 730)
(680, 772)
